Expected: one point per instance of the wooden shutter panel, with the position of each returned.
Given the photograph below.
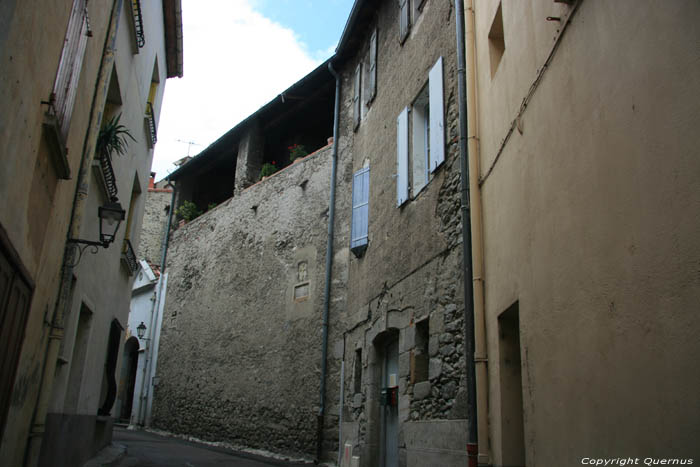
(372, 66)
(403, 20)
(402, 157)
(69, 66)
(437, 116)
(356, 97)
(360, 208)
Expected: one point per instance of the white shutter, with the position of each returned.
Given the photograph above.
(402, 157)
(437, 117)
(360, 208)
(372, 66)
(356, 97)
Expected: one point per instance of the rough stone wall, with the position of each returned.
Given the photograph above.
(410, 275)
(241, 337)
(155, 219)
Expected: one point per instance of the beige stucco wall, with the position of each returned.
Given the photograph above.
(36, 206)
(590, 223)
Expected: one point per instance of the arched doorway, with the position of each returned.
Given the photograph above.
(129, 367)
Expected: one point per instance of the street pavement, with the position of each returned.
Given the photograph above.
(146, 449)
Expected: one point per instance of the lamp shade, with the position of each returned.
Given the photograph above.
(111, 215)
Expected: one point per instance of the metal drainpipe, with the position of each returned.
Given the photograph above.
(81, 193)
(329, 264)
(472, 438)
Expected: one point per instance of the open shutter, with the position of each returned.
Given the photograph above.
(69, 66)
(402, 157)
(372, 66)
(437, 117)
(356, 97)
(403, 20)
(360, 210)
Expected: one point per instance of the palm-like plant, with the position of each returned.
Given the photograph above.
(113, 138)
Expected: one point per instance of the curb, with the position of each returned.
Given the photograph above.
(109, 456)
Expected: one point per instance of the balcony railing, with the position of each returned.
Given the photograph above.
(110, 180)
(151, 125)
(129, 258)
(138, 23)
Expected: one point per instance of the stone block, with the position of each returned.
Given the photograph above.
(437, 322)
(357, 400)
(421, 390)
(445, 435)
(398, 319)
(407, 338)
(404, 364)
(435, 368)
(433, 346)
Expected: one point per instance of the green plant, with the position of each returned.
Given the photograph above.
(112, 138)
(211, 206)
(296, 151)
(268, 169)
(188, 211)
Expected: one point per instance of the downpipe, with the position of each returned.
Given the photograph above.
(329, 265)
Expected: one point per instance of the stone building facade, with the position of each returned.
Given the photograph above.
(405, 382)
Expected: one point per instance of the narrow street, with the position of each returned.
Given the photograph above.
(151, 450)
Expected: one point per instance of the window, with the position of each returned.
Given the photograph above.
(423, 138)
(404, 20)
(497, 44)
(419, 355)
(150, 118)
(357, 372)
(360, 212)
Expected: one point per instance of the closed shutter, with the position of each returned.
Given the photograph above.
(356, 97)
(15, 296)
(403, 20)
(437, 117)
(402, 157)
(360, 209)
(372, 67)
(69, 66)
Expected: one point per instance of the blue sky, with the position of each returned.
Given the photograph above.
(239, 55)
(318, 23)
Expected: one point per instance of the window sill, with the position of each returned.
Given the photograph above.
(59, 153)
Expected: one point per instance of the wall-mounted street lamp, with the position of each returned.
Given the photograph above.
(111, 215)
(141, 330)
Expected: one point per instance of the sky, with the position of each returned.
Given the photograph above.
(238, 55)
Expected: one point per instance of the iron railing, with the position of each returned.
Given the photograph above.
(138, 23)
(108, 175)
(151, 124)
(129, 257)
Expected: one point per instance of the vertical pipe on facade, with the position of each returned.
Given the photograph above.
(480, 350)
(329, 264)
(148, 368)
(472, 435)
(81, 194)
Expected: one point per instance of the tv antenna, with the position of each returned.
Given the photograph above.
(189, 145)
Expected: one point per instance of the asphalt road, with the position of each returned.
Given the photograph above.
(150, 450)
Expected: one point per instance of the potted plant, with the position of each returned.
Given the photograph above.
(113, 138)
(296, 151)
(268, 169)
(188, 211)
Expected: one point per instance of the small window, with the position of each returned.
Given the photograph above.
(404, 20)
(356, 101)
(419, 355)
(357, 372)
(360, 212)
(497, 44)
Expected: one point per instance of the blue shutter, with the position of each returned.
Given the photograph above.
(360, 210)
(402, 157)
(437, 117)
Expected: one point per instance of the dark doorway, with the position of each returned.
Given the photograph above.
(131, 362)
